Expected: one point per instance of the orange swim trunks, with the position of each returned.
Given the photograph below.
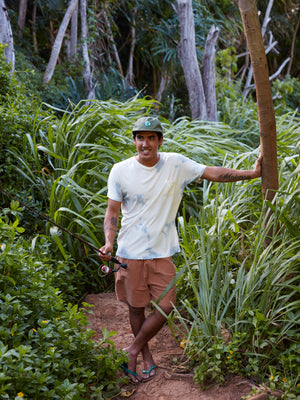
(145, 280)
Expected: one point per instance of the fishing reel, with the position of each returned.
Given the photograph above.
(105, 270)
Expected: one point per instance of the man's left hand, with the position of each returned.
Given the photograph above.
(257, 168)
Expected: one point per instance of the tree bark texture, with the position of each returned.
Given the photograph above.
(58, 41)
(113, 43)
(129, 78)
(22, 16)
(74, 33)
(164, 81)
(209, 74)
(267, 19)
(266, 114)
(34, 38)
(189, 61)
(87, 70)
(6, 36)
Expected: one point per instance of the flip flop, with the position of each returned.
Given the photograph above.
(127, 372)
(149, 373)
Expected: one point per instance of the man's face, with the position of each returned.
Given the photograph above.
(147, 144)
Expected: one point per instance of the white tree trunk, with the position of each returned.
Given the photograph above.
(74, 33)
(6, 36)
(129, 79)
(58, 41)
(209, 74)
(189, 61)
(87, 71)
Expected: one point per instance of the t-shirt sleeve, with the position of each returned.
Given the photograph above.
(193, 171)
(114, 191)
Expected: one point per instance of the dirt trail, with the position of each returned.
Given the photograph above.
(172, 381)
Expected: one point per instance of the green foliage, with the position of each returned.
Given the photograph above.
(287, 93)
(66, 162)
(71, 158)
(231, 282)
(110, 86)
(66, 83)
(155, 53)
(17, 111)
(5, 75)
(206, 143)
(240, 299)
(240, 114)
(227, 62)
(46, 351)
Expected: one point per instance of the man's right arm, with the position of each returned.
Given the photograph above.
(111, 222)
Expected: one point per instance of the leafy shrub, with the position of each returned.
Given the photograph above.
(46, 351)
(233, 284)
(72, 157)
(287, 93)
(17, 113)
(69, 160)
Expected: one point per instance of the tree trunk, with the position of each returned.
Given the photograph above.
(189, 61)
(113, 44)
(266, 114)
(58, 41)
(263, 32)
(74, 33)
(22, 16)
(209, 74)
(129, 78)
(6, 36)
(35, 43)
(164, 81)
(87, 71)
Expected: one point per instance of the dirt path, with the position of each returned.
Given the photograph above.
(172, 382)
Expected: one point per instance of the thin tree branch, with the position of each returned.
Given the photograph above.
(276, 74)
(293, 45)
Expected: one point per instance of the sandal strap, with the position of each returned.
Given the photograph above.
(149, 370)
(125, 369)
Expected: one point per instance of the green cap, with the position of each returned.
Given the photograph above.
(151, 124)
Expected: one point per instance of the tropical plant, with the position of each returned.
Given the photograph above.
(46, 350)
(73, 156)
(231, 282)
(16, 117)
(240, 299)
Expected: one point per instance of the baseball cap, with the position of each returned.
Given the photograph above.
(151, 124)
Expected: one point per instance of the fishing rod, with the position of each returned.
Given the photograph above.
(105, 269)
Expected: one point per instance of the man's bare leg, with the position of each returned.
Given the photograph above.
(137, 318)
(144, 329)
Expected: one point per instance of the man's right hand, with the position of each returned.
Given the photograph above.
(111, 220)
(105, 252)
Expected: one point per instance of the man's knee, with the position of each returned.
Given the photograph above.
(165, 310)
(136, 311)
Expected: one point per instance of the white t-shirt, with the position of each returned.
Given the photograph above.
(150, 198)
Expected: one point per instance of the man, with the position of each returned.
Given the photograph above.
(149, 188)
